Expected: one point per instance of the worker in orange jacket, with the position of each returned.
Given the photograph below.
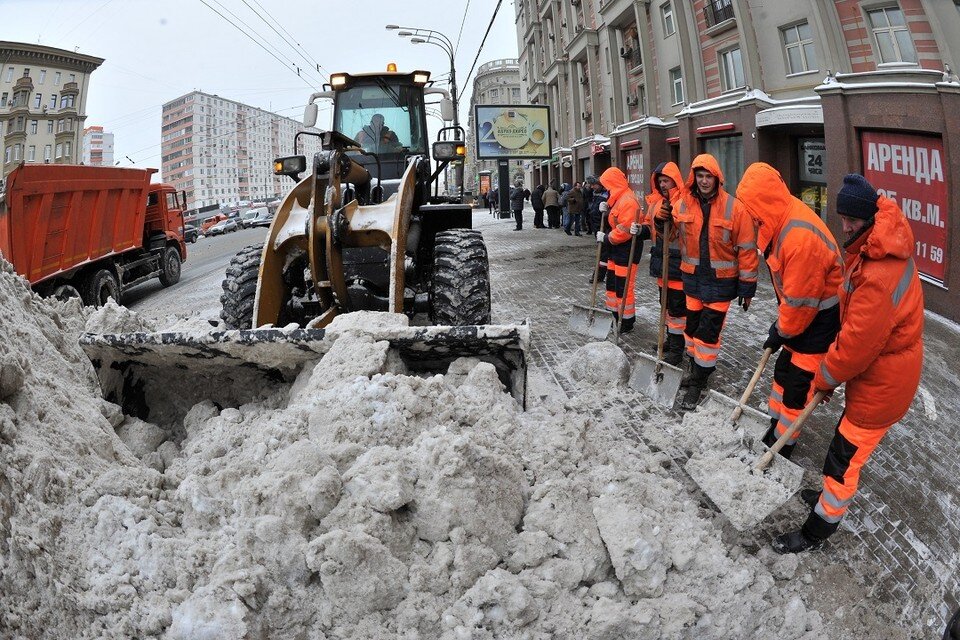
(624, 212)
(806, 269)
(719, 261)
(878, 352)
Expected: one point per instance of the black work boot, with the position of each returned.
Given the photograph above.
(674, 352)
(698, 382)
(687, 373)
(795, 542)
(770, 438)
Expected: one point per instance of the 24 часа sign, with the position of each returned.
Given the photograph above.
(512, 131)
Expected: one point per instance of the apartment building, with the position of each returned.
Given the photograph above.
(220, 151)
(496, 82)
(43, 97)
(97, 147)
(816, 88)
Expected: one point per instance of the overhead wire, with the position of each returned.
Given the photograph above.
(462, 22)
(303, 52)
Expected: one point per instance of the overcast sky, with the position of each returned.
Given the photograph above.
(157, 50)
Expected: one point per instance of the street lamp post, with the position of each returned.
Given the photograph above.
(430, 36)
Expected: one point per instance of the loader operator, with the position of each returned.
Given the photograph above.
(377, 136)
(624, 212)
(878, 352)
(666, 190)
(719, 261)
(806, 269)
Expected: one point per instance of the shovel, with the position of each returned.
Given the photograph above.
(752, 423)
(745, 487)
(626, 283)
(590, 320)
(653, 377)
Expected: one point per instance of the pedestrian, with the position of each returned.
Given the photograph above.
(666, 188)
(564, 215)
(596, 209)
(574, 209)
(551, 202)
(586, 192)
(489, 199)
(718, 258)
(624, 212)
(517, 195)
(806, 268)
(878, 352)
(536, 201)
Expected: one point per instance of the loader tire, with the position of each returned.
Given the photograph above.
(460, 291)
(240, 288)
(99, 287)
(170, 267)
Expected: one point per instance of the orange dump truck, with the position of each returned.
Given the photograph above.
(90, 231)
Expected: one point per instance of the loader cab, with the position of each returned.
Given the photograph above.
(385, 114)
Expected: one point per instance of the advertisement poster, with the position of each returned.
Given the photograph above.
(484, 183)
(812, 160)
(636, 177)
(512, 131)
(909, 169)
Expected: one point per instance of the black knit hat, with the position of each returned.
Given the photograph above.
(857, 197)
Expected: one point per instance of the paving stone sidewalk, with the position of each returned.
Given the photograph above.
(902, 533)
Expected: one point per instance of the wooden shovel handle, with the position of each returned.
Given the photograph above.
(665, 276)
(626, 284)
(596, 270)
(750, 386)
(764, 461)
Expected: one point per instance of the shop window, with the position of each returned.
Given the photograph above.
(676, 85)
(891, 35)
(798, 45)
(666, 13)
(731, 70)
(729, 154)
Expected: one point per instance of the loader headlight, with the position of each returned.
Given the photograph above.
(291, 166)
(338, 80)
(421, 77)
(449, 150)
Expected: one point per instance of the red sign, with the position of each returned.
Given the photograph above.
(635, 174)
(909, 170)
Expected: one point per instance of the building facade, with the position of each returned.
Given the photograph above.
(97, 147)
(220, 151)
(43, 97)
(817, 89)
(496, 82)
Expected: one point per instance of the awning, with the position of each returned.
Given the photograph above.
(790, 114)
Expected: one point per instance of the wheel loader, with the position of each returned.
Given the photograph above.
(363, 229)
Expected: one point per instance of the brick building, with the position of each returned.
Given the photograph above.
(811, 87)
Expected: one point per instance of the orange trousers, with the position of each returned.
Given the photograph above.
(620, 281)
(792, 389)
(676, 306)
(849, 451)
(705, 321)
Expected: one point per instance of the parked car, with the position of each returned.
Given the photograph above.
(209, 222)
(248, 216)
(263, 219)
(222, 227)
(190, 233)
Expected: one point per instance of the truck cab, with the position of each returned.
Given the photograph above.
(164, 222)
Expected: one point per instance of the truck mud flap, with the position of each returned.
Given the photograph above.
(159, 376)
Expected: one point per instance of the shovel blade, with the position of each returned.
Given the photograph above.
(590, 321)
(660, 386)
(745, 497)
(754, 423)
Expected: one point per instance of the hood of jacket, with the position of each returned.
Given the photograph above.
(890, 235)
(763, 195)
(614, 181)
(708, 162)
(669, 169)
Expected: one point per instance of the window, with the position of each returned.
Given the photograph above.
(17, 152)
(43, 76)
(32, 153)
(9, 74)
(33, 126)
(26, 72)
(892, 36)
(66, 150)
(798, 44)
(46, 153)
(717, 11)
(53, 101)
(731, 70)
(3, 99)
(60, 150)
(60, 125)
(36, 100)
(56, 78)
(666, 12)
(676, 84)
(516, 94)
(49, 126)
(7, 153)
(73, 77)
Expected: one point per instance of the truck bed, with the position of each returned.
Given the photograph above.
(56, 218)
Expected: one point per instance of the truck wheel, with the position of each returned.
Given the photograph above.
(170, 269)
(64, 292)
(100, 286)
(240, 288)
(460, 291)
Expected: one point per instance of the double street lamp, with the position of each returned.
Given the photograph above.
(419, 35)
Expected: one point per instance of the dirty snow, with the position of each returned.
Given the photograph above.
(357, 502)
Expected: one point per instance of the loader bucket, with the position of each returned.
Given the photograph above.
(159, 376)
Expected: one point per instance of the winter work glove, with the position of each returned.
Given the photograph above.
(774, 339)
(634, 228)
(601, 236)
(744, 302)
(604, 207)
(665, 210)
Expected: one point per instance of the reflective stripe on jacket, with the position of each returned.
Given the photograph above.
(803, 257)
(879, 350)
(624, 207)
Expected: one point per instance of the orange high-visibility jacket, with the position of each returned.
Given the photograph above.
(879, 350)
(733, 240)
(655, 199)
(624, 207)
(802, 254)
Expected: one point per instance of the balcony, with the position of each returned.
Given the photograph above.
(70, 88)
(717, 12)
(24, 83)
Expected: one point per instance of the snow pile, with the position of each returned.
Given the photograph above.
(358, 502)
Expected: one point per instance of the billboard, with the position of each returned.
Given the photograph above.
(512, 131)
(909, 169)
